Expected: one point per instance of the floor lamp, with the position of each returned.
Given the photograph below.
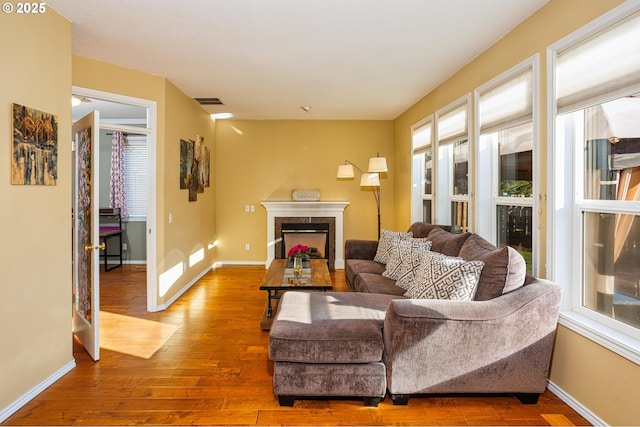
(368, 179)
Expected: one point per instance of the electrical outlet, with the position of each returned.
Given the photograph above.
(246, 208)
(247, 246)
(124, 246)
(253, 208)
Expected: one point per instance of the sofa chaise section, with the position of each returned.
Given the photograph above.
(329, 344)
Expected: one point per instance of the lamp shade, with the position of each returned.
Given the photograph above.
(370, 180)
(378, 164)
(345, 171)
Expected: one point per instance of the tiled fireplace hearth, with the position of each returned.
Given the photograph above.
(312, 222)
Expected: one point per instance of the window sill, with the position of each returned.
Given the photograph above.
(610, 339)
(134, 219)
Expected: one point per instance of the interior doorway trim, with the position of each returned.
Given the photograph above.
(152, 114)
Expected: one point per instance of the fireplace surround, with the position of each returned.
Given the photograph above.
(301, 214)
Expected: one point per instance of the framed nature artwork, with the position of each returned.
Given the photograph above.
(34, 159)
(194, 166)
(186, 162)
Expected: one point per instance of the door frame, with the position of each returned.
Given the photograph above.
(152, 147)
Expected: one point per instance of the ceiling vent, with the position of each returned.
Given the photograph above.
(209, 101)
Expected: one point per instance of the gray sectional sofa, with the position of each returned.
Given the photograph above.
(376, 340)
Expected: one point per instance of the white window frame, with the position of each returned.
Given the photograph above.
(566, 206)
(444, 197)
(136, 207)
(135, 130)
(487, 160)
(418, 196)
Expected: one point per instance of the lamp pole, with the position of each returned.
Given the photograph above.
(368, 182)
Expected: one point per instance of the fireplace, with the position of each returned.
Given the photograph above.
(298, 216)
(316, 232)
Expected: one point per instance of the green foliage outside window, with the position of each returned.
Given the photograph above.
(516, 188)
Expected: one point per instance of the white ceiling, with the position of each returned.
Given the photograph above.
(347, 59)
(110, 111)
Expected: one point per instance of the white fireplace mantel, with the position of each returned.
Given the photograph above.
(305, 209)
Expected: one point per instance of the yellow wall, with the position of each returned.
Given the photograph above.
(193, 225)
(179, 117)
(602, 381)
(35, 221)
(251, 161)
(266, 159)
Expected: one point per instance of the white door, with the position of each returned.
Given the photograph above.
(86, 251)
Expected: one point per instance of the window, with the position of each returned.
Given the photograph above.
(596, 168)
(136, 176)
(505, 111)
(452, 166)
(422, 171)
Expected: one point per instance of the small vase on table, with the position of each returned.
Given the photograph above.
(297, 266)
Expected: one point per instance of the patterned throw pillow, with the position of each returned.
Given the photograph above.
(405, 257)
(443, 277)
(388, 240)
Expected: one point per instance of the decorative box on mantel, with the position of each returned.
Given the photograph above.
(306, 212)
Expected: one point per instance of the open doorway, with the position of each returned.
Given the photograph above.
(136, 119)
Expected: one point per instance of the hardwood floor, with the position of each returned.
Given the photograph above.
(213, 368)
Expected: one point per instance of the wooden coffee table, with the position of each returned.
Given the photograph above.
(279, 278)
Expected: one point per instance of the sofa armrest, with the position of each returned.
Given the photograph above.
(360, 249)
(500, 345)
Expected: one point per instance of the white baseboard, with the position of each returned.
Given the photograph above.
(230, 262)
(26, 398)
(575, 405)
(125, 262)
(339, 266)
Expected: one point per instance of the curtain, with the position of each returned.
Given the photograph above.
(117, 189)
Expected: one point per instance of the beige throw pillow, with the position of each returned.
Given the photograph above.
(443, 277)
(388, 239)
(405, 257)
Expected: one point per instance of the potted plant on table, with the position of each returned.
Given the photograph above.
(298, 253)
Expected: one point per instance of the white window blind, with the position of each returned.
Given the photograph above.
(595, 69)
(453, 125)
(422, 136)
(507, 104)
(136, 175)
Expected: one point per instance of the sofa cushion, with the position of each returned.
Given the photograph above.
(353, 267)
(422, 229)
(360, 249)
(446, 243)
(443, 277)
(404, 258)
(329, 379)
(388, 239)
(376, 284)
(328, 327)
(504, 269)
